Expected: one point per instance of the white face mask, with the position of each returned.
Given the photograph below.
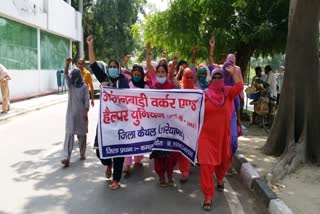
(263, 73)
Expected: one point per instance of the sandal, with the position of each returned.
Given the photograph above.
(171, 182)
(207, 205)
(115, 185)
(108, 172)
(163, 183)
(220, 187)
(65, 162)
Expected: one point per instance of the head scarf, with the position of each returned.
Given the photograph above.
(215, 91)
(231, 58)
(185, 82)
(203, 82)
(141, 83)
(76, 79)
(228, 81)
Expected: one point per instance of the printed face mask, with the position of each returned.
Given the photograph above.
(113, 72)
(203, 78)
(161, 80)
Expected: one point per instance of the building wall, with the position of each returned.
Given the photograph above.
(35, 39)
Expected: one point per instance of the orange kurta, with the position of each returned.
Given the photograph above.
(214, 142)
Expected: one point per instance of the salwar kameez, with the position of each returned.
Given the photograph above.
(214, 149)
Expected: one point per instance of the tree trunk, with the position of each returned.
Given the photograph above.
(243, 55)
(295, 133)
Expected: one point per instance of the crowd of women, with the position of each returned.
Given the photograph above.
(222, 86)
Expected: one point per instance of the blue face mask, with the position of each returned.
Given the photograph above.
(161, 80)
(136, 79)
(113, 72)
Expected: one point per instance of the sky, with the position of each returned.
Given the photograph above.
(160, 4)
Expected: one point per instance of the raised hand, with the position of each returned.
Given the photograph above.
(127, 57)
(175, 59)
(90, 40)
(212, 41)
(68, 60)
(231, 69)
(195, 50)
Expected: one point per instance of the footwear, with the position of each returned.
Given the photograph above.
(65, 162)
(207, 205)
(115, 185)
(82, 157)
(170, 182)
(220, 187)
(108, 172)
(4, 112)
(163, 183)
(184, 179)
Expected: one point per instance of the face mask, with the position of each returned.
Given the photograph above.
(161, 80)
(263, 73)
(203, 78)
(113, 72)
(136, 79)
(188, 84)
(217, 84)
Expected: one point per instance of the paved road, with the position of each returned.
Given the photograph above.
(33, 181)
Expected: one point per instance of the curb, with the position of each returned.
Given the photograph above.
(36, 107)
(251, 179)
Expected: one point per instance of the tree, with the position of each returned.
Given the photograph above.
(243, 27)
(295, 133)
(110, 23)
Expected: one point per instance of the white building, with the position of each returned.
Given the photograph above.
(35, 39)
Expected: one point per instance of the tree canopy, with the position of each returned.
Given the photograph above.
(110, 23)
(244, 27)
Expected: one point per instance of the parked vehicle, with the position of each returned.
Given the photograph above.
(96, 83)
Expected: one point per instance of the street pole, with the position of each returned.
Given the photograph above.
(81, 52)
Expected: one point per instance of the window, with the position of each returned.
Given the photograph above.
(54, 51)
(18, 45)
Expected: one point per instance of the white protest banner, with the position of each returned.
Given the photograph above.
(137, 121)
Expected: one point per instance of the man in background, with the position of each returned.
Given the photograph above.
(4, 78)
(87, 79)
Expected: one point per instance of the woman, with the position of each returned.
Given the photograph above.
(77, 114)
(187, 82)
(214, 149)
(228, 81)
(114, 79)
(164, 162)
(203, 76)
(137, 81)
